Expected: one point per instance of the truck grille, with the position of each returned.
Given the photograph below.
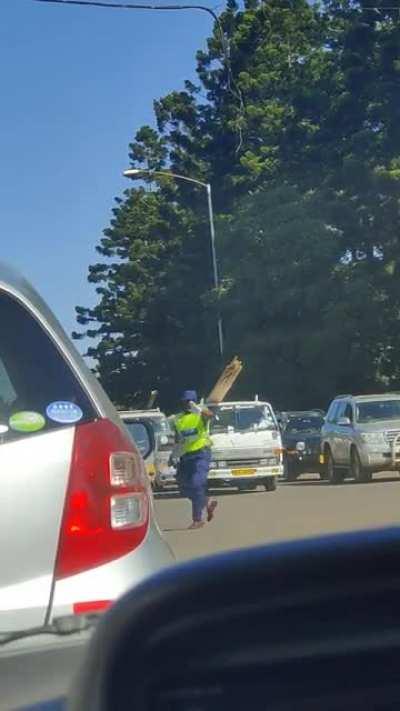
(232, 463)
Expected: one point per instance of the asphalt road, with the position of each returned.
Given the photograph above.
(307, 507)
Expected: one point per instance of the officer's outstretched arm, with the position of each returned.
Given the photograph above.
(201, 410)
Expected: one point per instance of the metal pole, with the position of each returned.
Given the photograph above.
(215, 265)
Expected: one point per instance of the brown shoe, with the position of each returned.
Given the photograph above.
(210, 509)
(196, 524)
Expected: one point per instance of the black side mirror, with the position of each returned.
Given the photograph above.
(142, 434)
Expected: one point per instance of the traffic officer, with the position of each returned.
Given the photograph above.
(193, 440)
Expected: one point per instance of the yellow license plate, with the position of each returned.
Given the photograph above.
(243, 472)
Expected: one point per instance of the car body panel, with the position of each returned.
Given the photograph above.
(34, 469)
(31, 508)
(341, 439)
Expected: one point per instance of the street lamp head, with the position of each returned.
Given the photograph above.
(135, 173)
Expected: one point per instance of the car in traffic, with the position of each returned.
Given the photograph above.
(301, 439)
(77, 527)
(246, 446)
(360, 436)
(161, 470)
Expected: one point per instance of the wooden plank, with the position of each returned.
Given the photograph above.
(225, 381)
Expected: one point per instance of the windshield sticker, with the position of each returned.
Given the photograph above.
(27, 422)
(65, 412)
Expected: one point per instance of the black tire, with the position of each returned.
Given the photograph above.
(291, 474)
(270, 483)
(358, 472)
(333, 474)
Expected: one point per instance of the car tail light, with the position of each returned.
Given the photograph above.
(106, 512)
(91, 607)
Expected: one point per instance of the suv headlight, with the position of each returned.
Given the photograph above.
(371, 438)
(300, 446)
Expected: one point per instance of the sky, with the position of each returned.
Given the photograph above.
(76, 84)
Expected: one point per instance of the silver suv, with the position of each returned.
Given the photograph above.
(361, 435)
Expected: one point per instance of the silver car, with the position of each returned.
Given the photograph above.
(76, 516)
(361, 435)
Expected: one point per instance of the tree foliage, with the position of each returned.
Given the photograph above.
(295, 121)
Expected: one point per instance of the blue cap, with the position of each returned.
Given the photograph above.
(189, 395)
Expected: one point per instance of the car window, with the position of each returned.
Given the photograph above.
(242, 418)
(374, 410)
(305, 423)
(38, 390)
(340, 410)
(348, 412)
(332, 414)
(161, 426)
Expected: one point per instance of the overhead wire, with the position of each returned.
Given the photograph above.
(232, 86)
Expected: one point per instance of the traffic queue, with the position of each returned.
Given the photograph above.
(252, 445)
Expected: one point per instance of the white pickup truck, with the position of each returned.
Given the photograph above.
(246, 445)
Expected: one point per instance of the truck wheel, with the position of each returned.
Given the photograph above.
(333, 474)
(270, 483)
(358, 472)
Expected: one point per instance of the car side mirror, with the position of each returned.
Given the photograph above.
(142, 434)
(344, 422)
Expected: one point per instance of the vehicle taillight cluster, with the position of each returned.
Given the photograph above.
(106, 512)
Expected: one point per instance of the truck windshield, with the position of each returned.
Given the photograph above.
(241, 418)
(162, 426)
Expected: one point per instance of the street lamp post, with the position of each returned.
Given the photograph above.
(137, 174)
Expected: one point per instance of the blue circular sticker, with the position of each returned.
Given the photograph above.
(66, 413)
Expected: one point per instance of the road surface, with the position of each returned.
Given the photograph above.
(305, 508)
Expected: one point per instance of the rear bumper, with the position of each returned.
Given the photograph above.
(110, 581)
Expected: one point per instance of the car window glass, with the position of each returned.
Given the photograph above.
(376, 410)
(242, 418)
(332, 412)
(340, 410)
(348, 412)
(38, 390)
(305, 423)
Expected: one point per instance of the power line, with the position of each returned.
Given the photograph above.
(231, 84)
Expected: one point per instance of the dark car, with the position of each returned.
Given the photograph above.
(301, 439)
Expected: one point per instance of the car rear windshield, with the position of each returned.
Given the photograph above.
(372, 410)
(38, 390)
(308, 423)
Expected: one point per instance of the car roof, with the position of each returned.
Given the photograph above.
(13, 283)
(373, 397)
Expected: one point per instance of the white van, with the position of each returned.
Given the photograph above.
(246, 445)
